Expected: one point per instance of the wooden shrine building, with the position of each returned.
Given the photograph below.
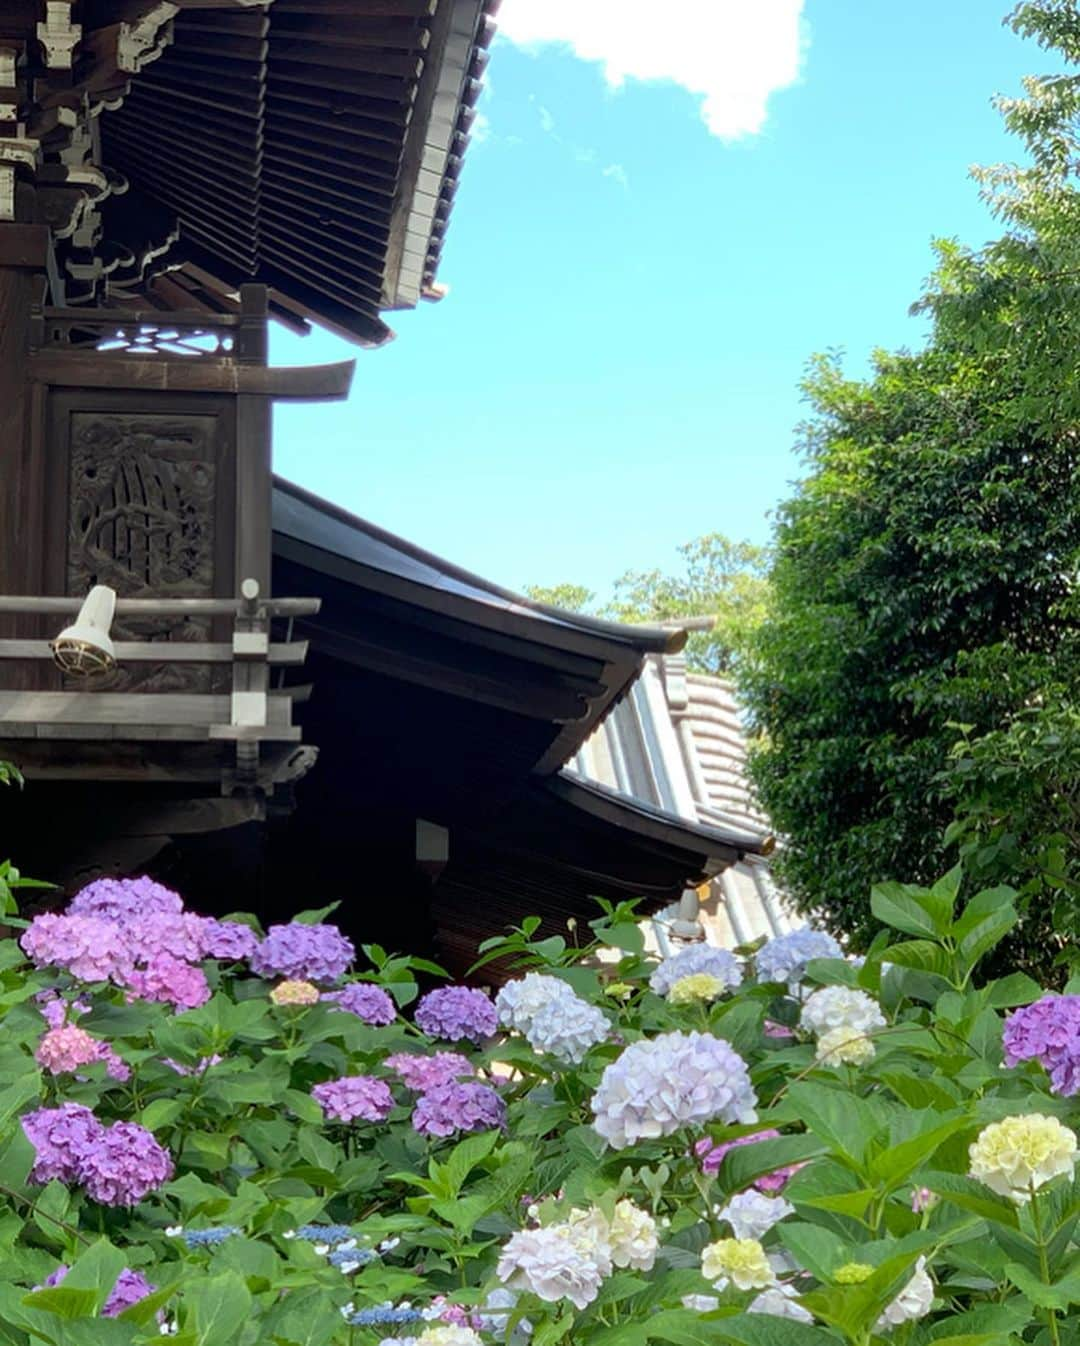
(288, 707)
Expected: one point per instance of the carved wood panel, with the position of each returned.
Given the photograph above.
(141, 518)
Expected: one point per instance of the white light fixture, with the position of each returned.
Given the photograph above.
(85, 650)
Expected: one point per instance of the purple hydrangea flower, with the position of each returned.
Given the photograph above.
(231, 941)
(367, 1002)
(303, 953)
(456, 1013)
(130, 1287)
(458, 1107)
(204, 1064)
(122, 900)
(1048, 1032)
(712, 1155)
(56, 1011)
(90, 948)
(123, 1165)
(422, 1073)
(170, 981)
(60, 1137)
(354, 1096)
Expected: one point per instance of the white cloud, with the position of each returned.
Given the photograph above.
(732, 54)
(547, 121)
(481, 128)
(618, 174)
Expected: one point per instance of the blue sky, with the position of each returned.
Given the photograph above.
(634, 293)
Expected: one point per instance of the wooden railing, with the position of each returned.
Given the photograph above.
(251, 714)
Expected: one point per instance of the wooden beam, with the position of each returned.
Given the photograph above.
(161, 607)
(305, 383)
(291, 654)
(121, 710)
(24, 245)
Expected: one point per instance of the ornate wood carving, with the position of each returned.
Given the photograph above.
(142, 520)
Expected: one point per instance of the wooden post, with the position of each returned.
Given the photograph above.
(253, 430)
(23, 257)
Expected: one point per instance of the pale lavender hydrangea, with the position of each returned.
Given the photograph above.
(695, 959)
(90, 948)
(353, 1096)
(1048, 1032)
(123, 1165)
(519, 1001)
(60, 1137)
(122, 900)
(785, 958)
(231, 941)
(171, 981)
(566, 1028)
(299, 952)
(457, 1013)
(56, 1011)
(367, 1002)
(422, 1073)
(130, 1287)
(447, 1108)
(674, 1080)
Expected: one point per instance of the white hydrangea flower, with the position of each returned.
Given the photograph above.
(844, 1046)
(779, 1302)
(566, 1027)
(519, 1001)
(633, 1238)
(752, 1214)
(700, 1303)
(694, 959)
(913, 1301)
(449, 1334)
(785, 957)
(840, 1007)
(674, 1080)
(561, 1261)
(739, 1262)
(1017, 1155)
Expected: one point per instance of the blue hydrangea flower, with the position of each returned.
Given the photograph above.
(383, 1315)
(694, 959)
(785, 957)
(324, 1233)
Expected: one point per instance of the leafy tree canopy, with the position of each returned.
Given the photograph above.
(918, 670)
(719, 578)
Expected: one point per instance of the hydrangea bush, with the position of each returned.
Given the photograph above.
(224, 1135)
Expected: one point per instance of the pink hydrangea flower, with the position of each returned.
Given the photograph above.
(353, 1096)
(63, 1050)
(712, 1156)
(422, 1073)
(170, 981)
(178, 934)
(90, 948)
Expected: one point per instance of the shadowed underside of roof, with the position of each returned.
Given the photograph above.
(314, 146)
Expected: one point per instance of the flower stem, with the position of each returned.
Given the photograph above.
(1044, 1265)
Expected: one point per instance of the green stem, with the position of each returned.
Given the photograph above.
(1044, 1265)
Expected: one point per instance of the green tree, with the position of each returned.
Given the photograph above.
(719, 578)
(920, 657)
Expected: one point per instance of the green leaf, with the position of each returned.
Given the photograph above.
(64, 1300)
(1059, 1295)
(896, 904)
(316, 917)
(972, 1196)
(96, 1270)
(217, 1308)
(466, 1155)
(901, 1159)
(161, 1112)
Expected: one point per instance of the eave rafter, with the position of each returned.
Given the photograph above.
(62, 64)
